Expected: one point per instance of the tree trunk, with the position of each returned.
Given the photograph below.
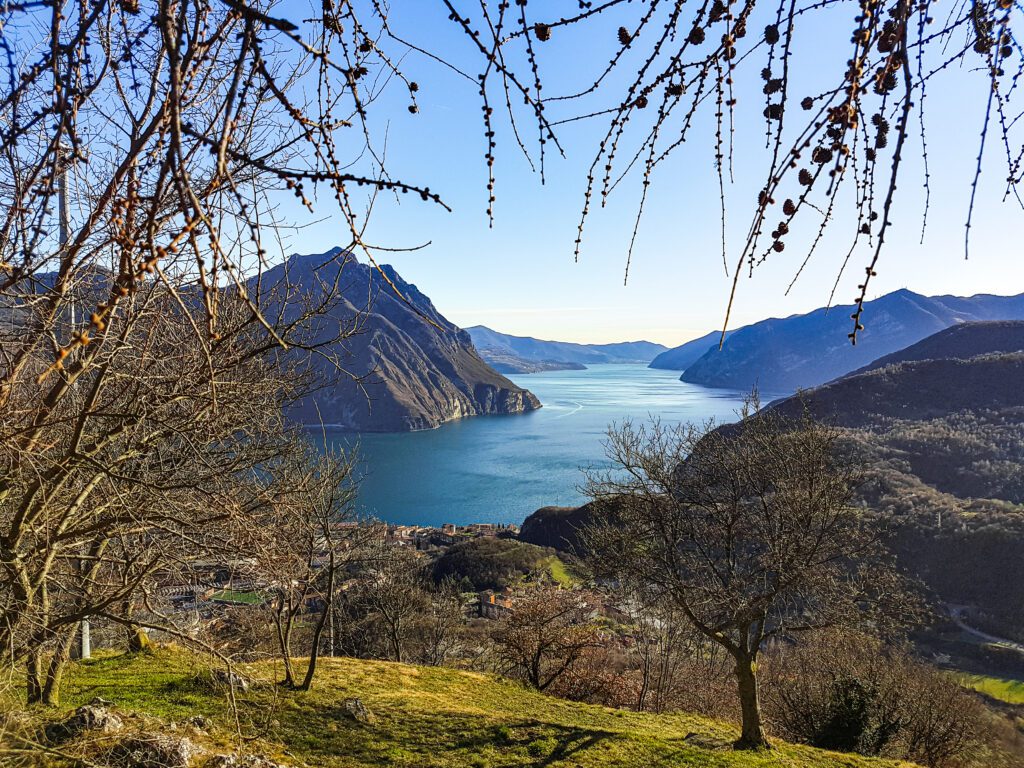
(138, 639)
(55, 672)
(314, 651)
(284, 642)
(33, 677)
(752, 736)
(645, 680)
(396, 643)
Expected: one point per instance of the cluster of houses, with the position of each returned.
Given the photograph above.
(219, 584)
(425, 538)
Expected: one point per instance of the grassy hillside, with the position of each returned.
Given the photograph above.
(1000, 689)
(425, 717)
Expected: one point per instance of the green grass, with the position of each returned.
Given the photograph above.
(1008, 691)
(426, 717)
(559, 572)
(235, 596)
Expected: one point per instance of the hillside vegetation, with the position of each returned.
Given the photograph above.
(424, 717)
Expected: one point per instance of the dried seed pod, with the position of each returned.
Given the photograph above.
(624, 37)
(696, 36)
(542, 31)
(771, 34)
(778, 246)
(821, 155)
(805, 178)
(789, 207)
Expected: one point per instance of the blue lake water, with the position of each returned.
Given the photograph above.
(501, 468)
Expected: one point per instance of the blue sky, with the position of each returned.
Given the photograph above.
(520, 276)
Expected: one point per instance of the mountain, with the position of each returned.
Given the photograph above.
(962, 342)
(523, 354)
(682, 357)
(916, 390)
(404, 373)
(504, 362)
(785, 354)
(938, 430)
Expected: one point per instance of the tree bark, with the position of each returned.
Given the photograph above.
(314, 651)
(138, 639)
(55, 672)
(33, 677)
(752, 736)
(284, 642)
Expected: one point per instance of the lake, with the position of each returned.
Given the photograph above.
(499, 469)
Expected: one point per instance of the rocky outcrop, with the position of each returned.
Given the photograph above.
(405, 368)
(154, 751)
(358, 711)
(95, 717)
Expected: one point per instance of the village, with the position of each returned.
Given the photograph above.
(207, 587)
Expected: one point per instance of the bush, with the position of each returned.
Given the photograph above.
(490, 563)
(850, 693)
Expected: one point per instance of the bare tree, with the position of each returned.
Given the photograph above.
(545, 634)
(306, 538)
(748, 531)
(146, 350)
(677, 665)
(440, 638)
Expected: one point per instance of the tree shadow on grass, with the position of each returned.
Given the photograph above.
(438, 738)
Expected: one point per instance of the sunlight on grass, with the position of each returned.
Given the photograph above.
(425, 716)
(1009, 691)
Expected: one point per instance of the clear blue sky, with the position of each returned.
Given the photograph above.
(520, 276)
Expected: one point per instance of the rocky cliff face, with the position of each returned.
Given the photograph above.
(406, 368)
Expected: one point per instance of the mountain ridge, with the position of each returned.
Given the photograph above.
(681, 357)
(408, 367)
(526, 354)
(809, 349)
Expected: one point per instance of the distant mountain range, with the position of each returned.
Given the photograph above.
(682, 357)
(523, 354)
(404, 373)
(786, 354)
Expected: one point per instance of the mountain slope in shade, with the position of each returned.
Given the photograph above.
(938, 430)
(405, 373)
(523, 354)
(916, 390)
(976, 367)
(682, 357)
(785, 354)
(961, 342)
